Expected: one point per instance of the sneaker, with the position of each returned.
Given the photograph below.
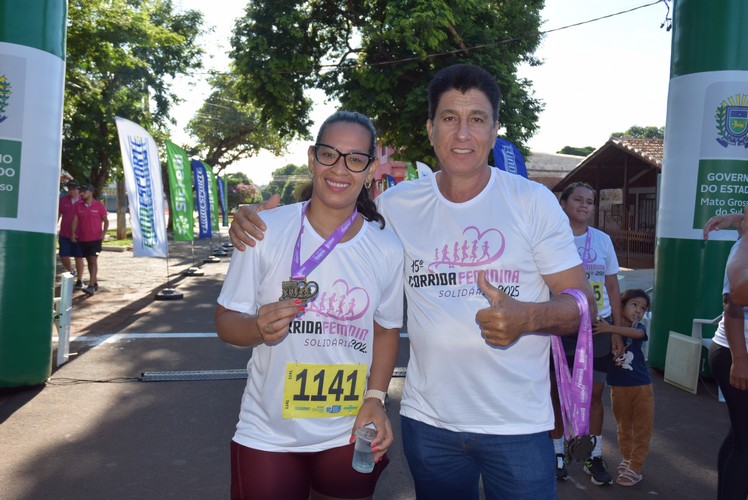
(90, 290)
(78, 285)
(74, 273)
(561, 472)
(598, 471)
(96, 287)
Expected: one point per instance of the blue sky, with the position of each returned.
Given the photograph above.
(597, 78)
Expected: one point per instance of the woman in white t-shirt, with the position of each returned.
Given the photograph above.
(601, 265)
(325, 351)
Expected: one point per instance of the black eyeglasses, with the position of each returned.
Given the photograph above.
(328, 155)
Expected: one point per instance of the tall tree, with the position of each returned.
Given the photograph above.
(228, 130)
(377, 57)
(237, 178)
(639, 132)
(122, 56)
(284, 181)
(576, 150)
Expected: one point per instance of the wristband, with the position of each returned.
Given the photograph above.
(373, 393)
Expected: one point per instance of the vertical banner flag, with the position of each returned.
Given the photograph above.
(180, 187)
(508, 158)
(411, 172)
(212, 198)
(222, 199)
(202, 194)
(145, 190)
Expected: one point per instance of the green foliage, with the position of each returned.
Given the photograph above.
(287, 196)
(576, 151)
(284, 181)
(228, 130)
(384, 54)
(639, 132)
(237, 178)
(121, 58)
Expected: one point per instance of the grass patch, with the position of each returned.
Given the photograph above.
(111, 239)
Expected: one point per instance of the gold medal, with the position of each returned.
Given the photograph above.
(580, 447)
(299, 289)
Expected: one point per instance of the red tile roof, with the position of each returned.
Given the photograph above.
(649, 150)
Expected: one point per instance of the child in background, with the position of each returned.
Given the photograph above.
(631, 393)
(601, 265)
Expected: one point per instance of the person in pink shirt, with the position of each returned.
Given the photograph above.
(69, 249)
(88, 232)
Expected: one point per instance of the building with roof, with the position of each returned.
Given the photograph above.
(625, 172)
(550, 168)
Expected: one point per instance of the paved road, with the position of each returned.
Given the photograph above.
(96, 430)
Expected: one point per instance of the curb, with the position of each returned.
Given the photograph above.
(105, 248)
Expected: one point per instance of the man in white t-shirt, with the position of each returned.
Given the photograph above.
(483, 252)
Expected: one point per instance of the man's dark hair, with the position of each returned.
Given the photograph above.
(463, 77)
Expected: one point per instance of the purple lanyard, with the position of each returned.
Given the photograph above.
(575, 390)
(301, 271)
(586, 253)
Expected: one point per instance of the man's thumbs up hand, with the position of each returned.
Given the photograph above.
(505, 320)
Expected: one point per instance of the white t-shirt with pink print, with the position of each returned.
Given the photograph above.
(302, 394)
(516, 231)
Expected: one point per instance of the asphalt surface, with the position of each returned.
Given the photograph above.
(97, 430)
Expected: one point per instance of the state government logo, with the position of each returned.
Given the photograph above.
(732, 121)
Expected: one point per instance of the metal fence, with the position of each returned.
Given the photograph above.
(635, 248)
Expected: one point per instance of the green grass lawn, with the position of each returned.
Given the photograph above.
(111, 239)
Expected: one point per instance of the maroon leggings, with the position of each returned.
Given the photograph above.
(267, 475)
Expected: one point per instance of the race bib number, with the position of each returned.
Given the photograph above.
(321, 391)
(597, 287)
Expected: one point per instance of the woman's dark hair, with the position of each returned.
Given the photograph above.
(633, 293)
(364, 204)
(571, 187)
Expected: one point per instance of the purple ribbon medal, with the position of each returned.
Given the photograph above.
(297, 287)
(575, 389)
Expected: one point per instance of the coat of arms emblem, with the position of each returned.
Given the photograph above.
(732, 121)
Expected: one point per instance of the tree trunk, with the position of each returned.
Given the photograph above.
(121, 209)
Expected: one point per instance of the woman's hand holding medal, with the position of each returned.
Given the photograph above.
(274, 319)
